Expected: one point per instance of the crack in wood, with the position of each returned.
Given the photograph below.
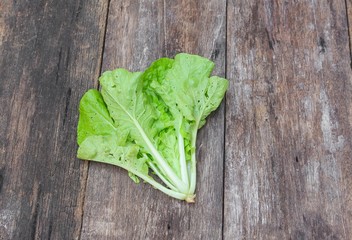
(348, 7)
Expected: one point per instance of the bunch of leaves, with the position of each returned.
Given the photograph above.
(147, 122)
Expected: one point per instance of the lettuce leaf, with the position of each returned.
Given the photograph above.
(147, 122)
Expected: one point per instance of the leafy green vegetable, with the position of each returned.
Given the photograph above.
(147, 122)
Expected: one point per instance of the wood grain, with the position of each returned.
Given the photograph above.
(50, 53)
(288, 121)
(115, 208)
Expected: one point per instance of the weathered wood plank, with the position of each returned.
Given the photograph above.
(116, 208)
(288, 121)
(50, 53)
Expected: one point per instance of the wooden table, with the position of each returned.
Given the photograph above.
(275, 161)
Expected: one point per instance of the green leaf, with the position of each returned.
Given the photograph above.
(127, 105)
(148, 121)
(191, 88)
(94, 118)
(189, 91)
(134, 112)
(106, 149)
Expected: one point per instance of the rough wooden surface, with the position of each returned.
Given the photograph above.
(50, 54)
(284, 133)
(139, 32)
(288, 121)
